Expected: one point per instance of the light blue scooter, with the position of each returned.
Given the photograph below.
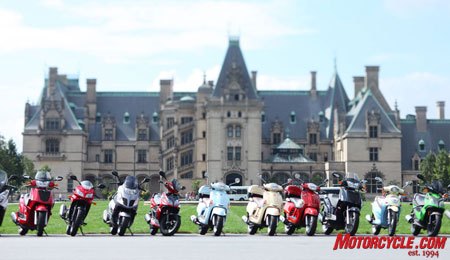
(212, 208)
(386, 208)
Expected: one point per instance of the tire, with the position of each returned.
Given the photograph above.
(252, 229)
(23, 231)
(355, 223)
(415, 230)
(123, 225)
(219, 225)
(434, 225)
(272, 228)
(77, 221)
(376, 230)
(68, 229)
(289, 229)
(327, 230)
(41, 215)
(311, 228)
(169, 224)
(203, 229)
(113, 230)
(393, 219)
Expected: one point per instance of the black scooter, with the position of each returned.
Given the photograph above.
(342, 205)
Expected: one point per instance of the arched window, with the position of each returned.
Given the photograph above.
(372, 185)
(303, 176)
(263, 117)
(188, 175)
(441, 145)
(238, 131)
(155, 117)
(318, 178)
(98, 117)
(280, 177)
(52, 146)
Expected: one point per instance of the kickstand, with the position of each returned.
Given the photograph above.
(45, 233)
(81, 230)
(131, 231)
(223, 233)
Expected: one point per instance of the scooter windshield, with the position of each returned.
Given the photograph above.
(87, 185)
(130, 182)
(437, 186)
(3, 179)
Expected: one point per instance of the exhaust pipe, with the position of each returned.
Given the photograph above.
(409, 218)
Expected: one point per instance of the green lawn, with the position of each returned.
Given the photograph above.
(234, 223)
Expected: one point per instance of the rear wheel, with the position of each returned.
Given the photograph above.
(123, 225)
(219, 225)
(434, 225)
(23, 231)
(252, 229)
(327, 229)
(169, 224)
(352, 227)
(289, 229)
(153, 230)
(113, 230)
(393, 219)
(77, 221)
(272, 228)
(41, 215)
(203, 229)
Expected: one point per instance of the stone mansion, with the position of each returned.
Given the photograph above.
(228, 129)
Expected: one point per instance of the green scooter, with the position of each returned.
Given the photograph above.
(427, 208)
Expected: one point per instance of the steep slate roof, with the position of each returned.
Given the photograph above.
(436, 130)
(234, 60)
(357, 116)
(336, 99)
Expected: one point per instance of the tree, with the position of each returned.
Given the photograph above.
(196, 185)
(427, 167)
(441, 167)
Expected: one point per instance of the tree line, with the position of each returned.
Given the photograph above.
(14, 163)
(436, 167)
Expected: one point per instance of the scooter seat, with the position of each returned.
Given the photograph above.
(419, 199)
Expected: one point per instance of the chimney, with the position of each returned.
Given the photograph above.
(421, 119)
(313, 84)
(91, 90)
(254, 72)
(372, 73)
(359, 84)
(211, 83)
(52, 76)
(441, 109)
(166, 90)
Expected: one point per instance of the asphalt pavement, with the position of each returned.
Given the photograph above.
(190, 246)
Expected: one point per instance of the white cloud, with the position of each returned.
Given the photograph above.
(417, 89)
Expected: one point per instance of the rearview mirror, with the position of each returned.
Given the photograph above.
(73, 177)
(237, 180)
(162, 174)
(378, 179)
(420, 177)
(115, 173)
(26, 177)
(59, 178)
(297, 175)
(12, 177)
(145, 180)
(183, 188)
(101, 186)
(336, 175)
(408, 183)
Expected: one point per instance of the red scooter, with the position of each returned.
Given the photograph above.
(164, 209)
(35, 207)
(301, 208)
(81, 200)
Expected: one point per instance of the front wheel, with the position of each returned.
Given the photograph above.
(169, 224)
(352, 227)
(252, 229)
(153, 230)
(41, 217)
(272, 227)
(77, 221)
(376, 229)
(219, 225)
(393, 219)
(203, 229)
(289, 229)
(434, 225)
(327, 229)
(415, 230)
(123, 225)
(311, 225)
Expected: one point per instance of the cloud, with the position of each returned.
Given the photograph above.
(119, 32)
(416, 89)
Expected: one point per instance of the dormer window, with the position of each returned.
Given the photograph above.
(126, 118)
(441, 145)
(236, 97)
(421, 145)
(263, 117)
(98, 117)
(293, 117)
(52, 124)
(155, 117)
(108, 135)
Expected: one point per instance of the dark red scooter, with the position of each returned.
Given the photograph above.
(35, 208)
(301, 208)
(164, 209)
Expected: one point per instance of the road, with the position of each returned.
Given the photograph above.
(189, 246)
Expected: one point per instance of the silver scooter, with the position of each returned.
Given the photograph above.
(4, 193)
(123, 205)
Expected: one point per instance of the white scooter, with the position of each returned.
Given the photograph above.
(4, 193)
(123, 206)
(212, 208)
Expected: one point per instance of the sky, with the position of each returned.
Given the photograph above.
(131, 45)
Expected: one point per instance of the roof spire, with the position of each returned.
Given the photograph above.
(204, 77)
(335, 63)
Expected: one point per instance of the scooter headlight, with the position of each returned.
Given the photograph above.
(131, 191)
(312, 186)
(79, 193)
(90, 195)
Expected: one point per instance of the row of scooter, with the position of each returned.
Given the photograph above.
(340, 206)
